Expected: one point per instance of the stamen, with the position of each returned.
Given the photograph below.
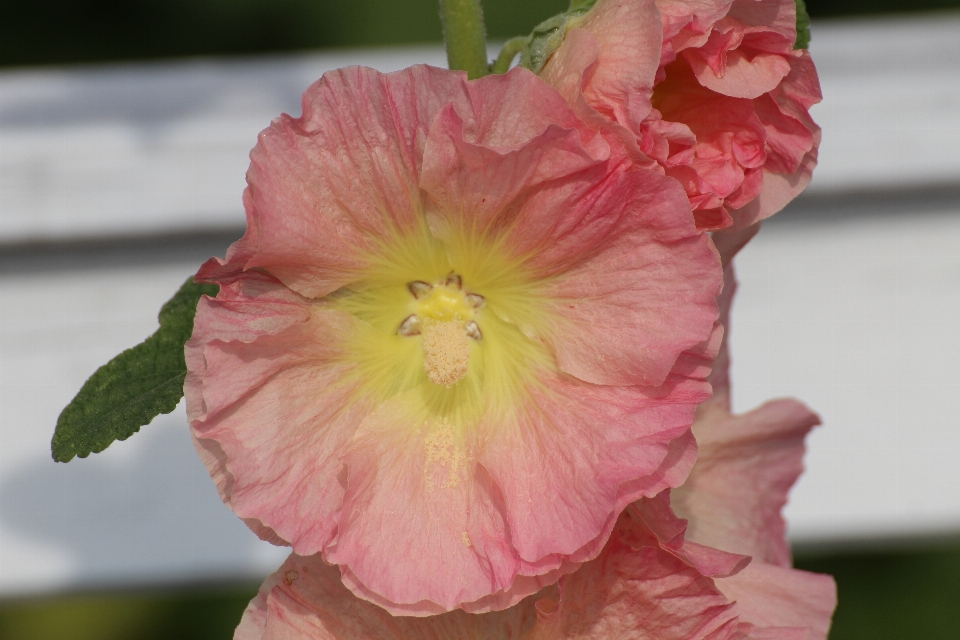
(446, 351)
(475, 300)
(419, 288)
(410, 326)
(454, 281)
(473, 331)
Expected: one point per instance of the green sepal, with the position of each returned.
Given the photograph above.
(547, 36)
(133, 388)
(803, 26)
(581, 5)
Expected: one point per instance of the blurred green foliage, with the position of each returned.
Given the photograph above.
(904, 595)
(908, 595)
(66, 31)
(188, 615)
(63, 31)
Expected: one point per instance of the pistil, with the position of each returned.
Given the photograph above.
(446, 351)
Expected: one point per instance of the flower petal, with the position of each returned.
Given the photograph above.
(746, 466)
(746, 54)
(326, 186)
(305, 600)
(782, 598)
(638, 594)
(574, 446)
(644, 289)
(654, 522)
(268, 407)
(793, 140)
(417, 508)
(624, 67)
(486, 192)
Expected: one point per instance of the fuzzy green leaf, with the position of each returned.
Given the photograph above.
(803, 26)
(133, 388)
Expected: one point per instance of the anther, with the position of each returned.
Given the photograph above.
(473, 330)
(474, 300)
(454, 281)
(419, 288)
(410, 326)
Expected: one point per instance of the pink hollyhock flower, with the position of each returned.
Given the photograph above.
(652, 581)
(711, 90)
(455, 303)
(723, 574)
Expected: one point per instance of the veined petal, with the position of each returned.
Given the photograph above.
(621, 78)
(763, 448)
(481, 192)
(782, 599)
(573, 446)
(305, 600)
(326, 187)
(269, 408)
(417, 507)
(643, 271)
(746, 53)
(791, 153)
(641, 593)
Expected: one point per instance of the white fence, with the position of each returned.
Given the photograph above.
(850, 299)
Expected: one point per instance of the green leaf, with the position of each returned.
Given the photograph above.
(133, 388)
(803, 26)
(548, 35)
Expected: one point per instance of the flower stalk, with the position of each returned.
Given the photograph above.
(465, 37)
(511, 48)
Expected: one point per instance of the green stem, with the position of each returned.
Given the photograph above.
(511, 48)
(465, 36)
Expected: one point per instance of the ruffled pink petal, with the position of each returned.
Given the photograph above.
(621, 77)
(515, 193)
(726, 129)
(653, 522)
(418, 508)
(305, 600)
(640, 587)
(687, 23)
(778, 190)
(793, 140)
(743, 77)
(627, 593)
(781, 601)
(646, 294)
(499, 116)
(745, 54)
(642, 593)
(570, 69)
(573, 447)
(623, 249)
(746, 466)
(267, 407)
(324, 187)
(671, 144)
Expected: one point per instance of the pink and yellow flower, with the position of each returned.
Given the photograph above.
(462, 332)
(711, 90)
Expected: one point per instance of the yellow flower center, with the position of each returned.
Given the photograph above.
(442, 328)
(444, 315)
